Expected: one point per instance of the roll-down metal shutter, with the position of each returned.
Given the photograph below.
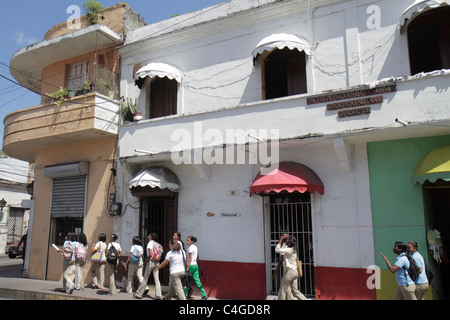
(69, 197)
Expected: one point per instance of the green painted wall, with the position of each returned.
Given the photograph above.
(397, 205)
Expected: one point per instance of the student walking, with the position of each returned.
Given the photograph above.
(68, 261)
(80, 260)
(175, 259)
(98, 260)
(154, 252)
(405, 286)
(113, 253)
(422, 282)
(193, 267)
(135, 263)
(290, 273)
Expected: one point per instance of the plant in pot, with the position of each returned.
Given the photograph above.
(59, 96)
(130, 110)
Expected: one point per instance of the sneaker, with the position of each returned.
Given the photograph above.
(205, 298)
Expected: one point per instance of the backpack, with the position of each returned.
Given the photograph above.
(81, 252)
(135, 256)
(113, 255)
(156, 251)
(68, 251)
(413, 269)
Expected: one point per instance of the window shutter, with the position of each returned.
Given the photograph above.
(69, 197)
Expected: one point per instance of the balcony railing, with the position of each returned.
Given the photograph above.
(79, 118)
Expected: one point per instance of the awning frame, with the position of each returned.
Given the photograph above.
(297, 178)
(434, 166)
(417, 9)
(156, 69)
(157, 178)
(281, 41)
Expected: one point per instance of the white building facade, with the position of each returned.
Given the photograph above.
(257, 121)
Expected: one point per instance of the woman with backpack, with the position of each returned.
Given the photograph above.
(154, 252)
(68, 261)
(135, 263)
(80, 260)
(113, 252)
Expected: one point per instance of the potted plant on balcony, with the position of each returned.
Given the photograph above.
(130, 110)
(59, 96)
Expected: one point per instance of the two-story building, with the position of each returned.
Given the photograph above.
(323, 119)
(72, 136)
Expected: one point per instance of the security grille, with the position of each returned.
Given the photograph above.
(15, 225)
(293, 219)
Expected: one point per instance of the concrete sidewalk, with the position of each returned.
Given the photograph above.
(32, 289)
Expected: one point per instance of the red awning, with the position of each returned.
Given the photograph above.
(289, 177)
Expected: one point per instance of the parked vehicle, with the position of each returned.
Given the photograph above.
(14, 250)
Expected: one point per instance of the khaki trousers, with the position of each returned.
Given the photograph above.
(421, 290)
(175, 286)
(151, 266)
(405, 293)
(288, 284)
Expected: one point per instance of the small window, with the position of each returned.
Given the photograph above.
(284, 73)
(78, 74)
(429, 41)
(163, 97)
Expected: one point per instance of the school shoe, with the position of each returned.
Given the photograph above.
(189, 293)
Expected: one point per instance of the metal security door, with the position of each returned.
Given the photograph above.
(293, 218)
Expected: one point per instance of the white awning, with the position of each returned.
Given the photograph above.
(418, 7)
(281, 41)
(156, 177)
(161, 70)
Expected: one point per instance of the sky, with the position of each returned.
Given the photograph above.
(26, 21)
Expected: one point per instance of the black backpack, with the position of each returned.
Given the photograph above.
(113, 255)
(413, 269)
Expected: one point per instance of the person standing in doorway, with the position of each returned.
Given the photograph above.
(291, 273)
(405, 286)
(192, 266)
(422, 281)
(151, 263)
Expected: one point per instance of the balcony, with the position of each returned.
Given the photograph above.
(84, 117)
(356, 113)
